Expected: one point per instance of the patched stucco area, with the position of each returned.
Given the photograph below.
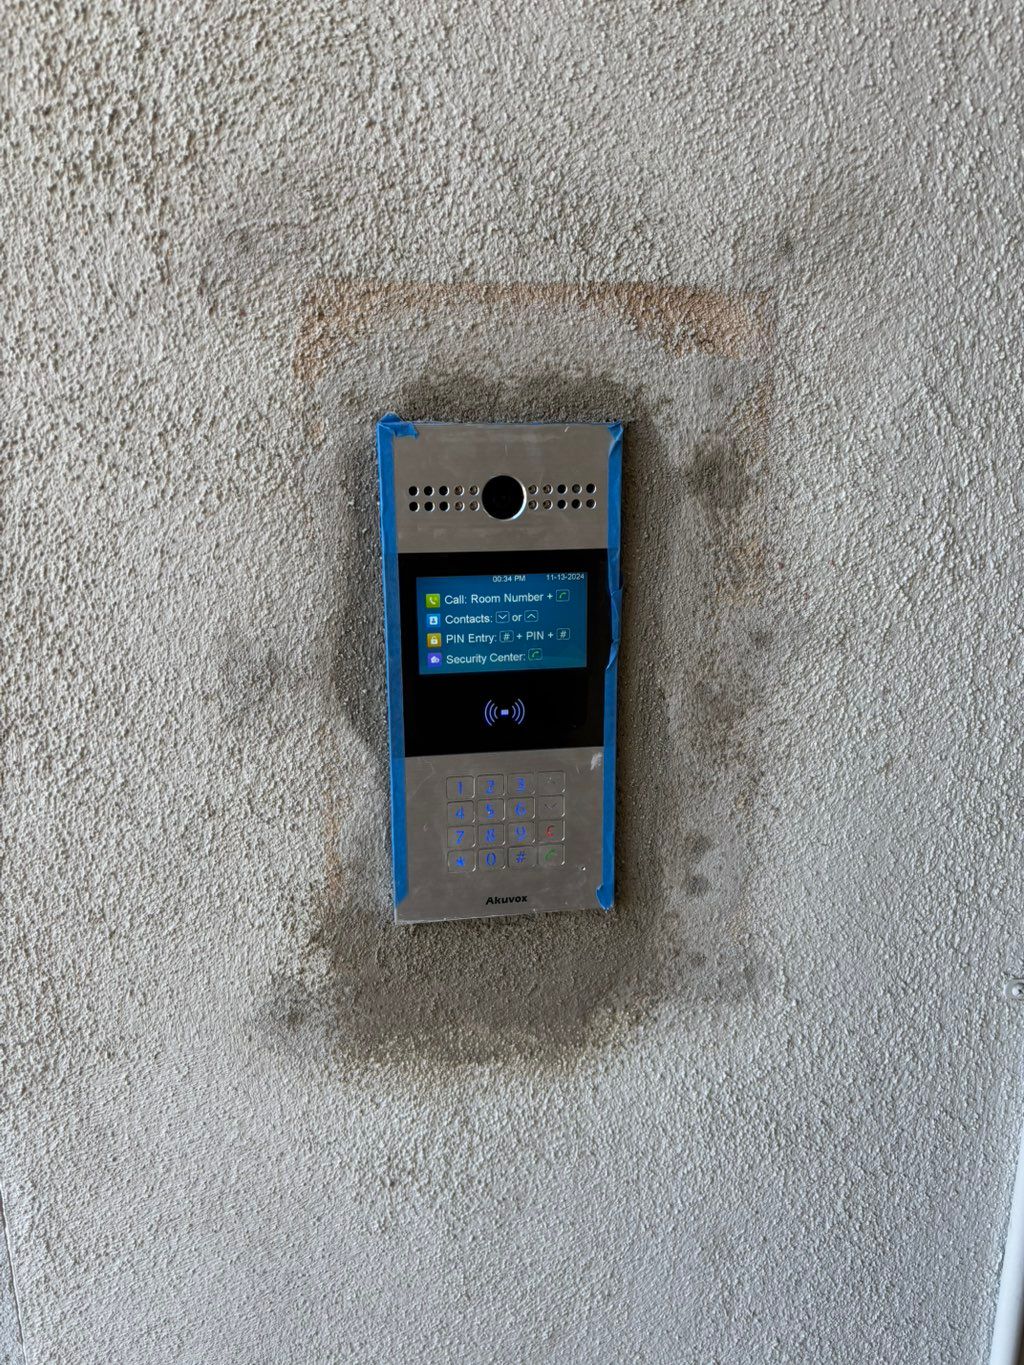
(689, 371)
(768, 1109)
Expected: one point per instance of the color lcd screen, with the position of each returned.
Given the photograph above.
(496, 623)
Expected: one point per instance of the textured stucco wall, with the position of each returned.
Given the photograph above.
(768, 1110)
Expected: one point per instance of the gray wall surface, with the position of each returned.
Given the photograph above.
(768, 1110)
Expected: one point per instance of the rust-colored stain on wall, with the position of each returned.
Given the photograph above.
(677, 317)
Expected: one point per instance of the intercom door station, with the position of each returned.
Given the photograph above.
(502, 601)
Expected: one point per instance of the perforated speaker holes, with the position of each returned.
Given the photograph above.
(447, 499)
(545, 496)
(459, 497)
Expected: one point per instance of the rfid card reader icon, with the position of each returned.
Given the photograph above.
(515, 712)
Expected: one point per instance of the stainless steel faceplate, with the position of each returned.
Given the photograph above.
(438, 478)
(464, 456)
(438, 893)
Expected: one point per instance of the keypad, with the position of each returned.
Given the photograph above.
(504, 821)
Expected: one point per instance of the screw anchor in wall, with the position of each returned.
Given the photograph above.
(1013, 990)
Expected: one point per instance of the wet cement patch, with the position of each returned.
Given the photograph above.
(696, 557)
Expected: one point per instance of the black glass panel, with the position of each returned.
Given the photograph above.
(550, 708)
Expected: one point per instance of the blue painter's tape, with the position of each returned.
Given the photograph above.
(396, 426)
(388, 429)
(606, 891)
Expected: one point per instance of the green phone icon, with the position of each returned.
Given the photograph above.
(433, 599)
(534, 654)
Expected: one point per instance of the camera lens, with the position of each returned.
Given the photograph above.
(503, 497)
